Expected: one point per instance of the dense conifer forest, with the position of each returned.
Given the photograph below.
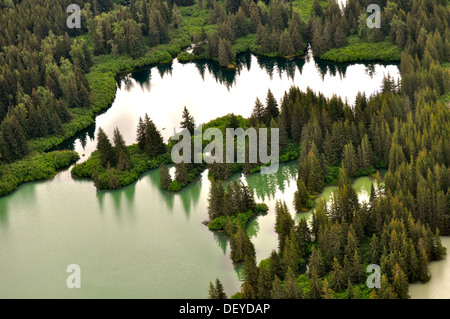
(55, 80)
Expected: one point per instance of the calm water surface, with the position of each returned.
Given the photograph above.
(140, 241)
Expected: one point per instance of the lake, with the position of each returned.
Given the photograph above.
(140, 241)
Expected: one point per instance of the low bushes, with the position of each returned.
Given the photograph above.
(33, 168)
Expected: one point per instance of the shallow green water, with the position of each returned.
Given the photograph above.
(136, 242)
(142, 242)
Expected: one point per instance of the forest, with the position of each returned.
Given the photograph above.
(55, 80)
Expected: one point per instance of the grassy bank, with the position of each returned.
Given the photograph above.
(219, 223)
(112, 178)
(33, 168)
(359, 51)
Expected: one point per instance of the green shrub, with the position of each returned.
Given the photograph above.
(33, 168)
(357, 51)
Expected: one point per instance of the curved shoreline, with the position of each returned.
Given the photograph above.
(102, 83)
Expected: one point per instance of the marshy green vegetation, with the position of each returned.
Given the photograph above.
(34, 168)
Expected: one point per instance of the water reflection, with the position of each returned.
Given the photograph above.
(190, 195)
(4, 219)
(222, 240)
(209, 91)
(83, 138)
(165, 68)
(142, 77)
(101, 200)
(266, 186)
(281, 66)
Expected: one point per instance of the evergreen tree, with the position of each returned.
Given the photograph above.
(122, 154)
(400, 282)
(105, 148)
(14, 141)
(225, 52)
(337, 276)
(386, 291)
(243, 246)
(113, 181)
(258, 113)
(182, 173)
(277, 289)
(314, 283)
(84, 98)
(212, 291)
(247, 291)
(317, 9)
(349, 160)
(358, 273)
(316, 262)
(286, 47)
(164, 177)
(220, 293)
(327, 292)
(141, 130)
(264, 283)
(154, 144)
(301, 196)
(188, 121)
(215, 200)
(272, 110)
(251, 271)
(176, 16)
(291, 287)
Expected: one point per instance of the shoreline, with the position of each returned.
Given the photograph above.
(104, 97)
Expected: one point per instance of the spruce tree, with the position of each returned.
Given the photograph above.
(301, 196)
(141, 130)
(291, 287)
(286, 47)
(337, 276)
(327, 292)
(315, 286)
(272, 110)
(251, 270)
(83, 98)
(220, 293)
(212, 291)
(277, 289)
(400, 282)
(258, 113)
(122, 154)
(105, 148)
(154, 144)
(349, 160)
(164, 177)
(15, 145)
(247, 291)
(316, 262)
(188, 121)
(215, 200)
(264, 286)
(182, 173)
